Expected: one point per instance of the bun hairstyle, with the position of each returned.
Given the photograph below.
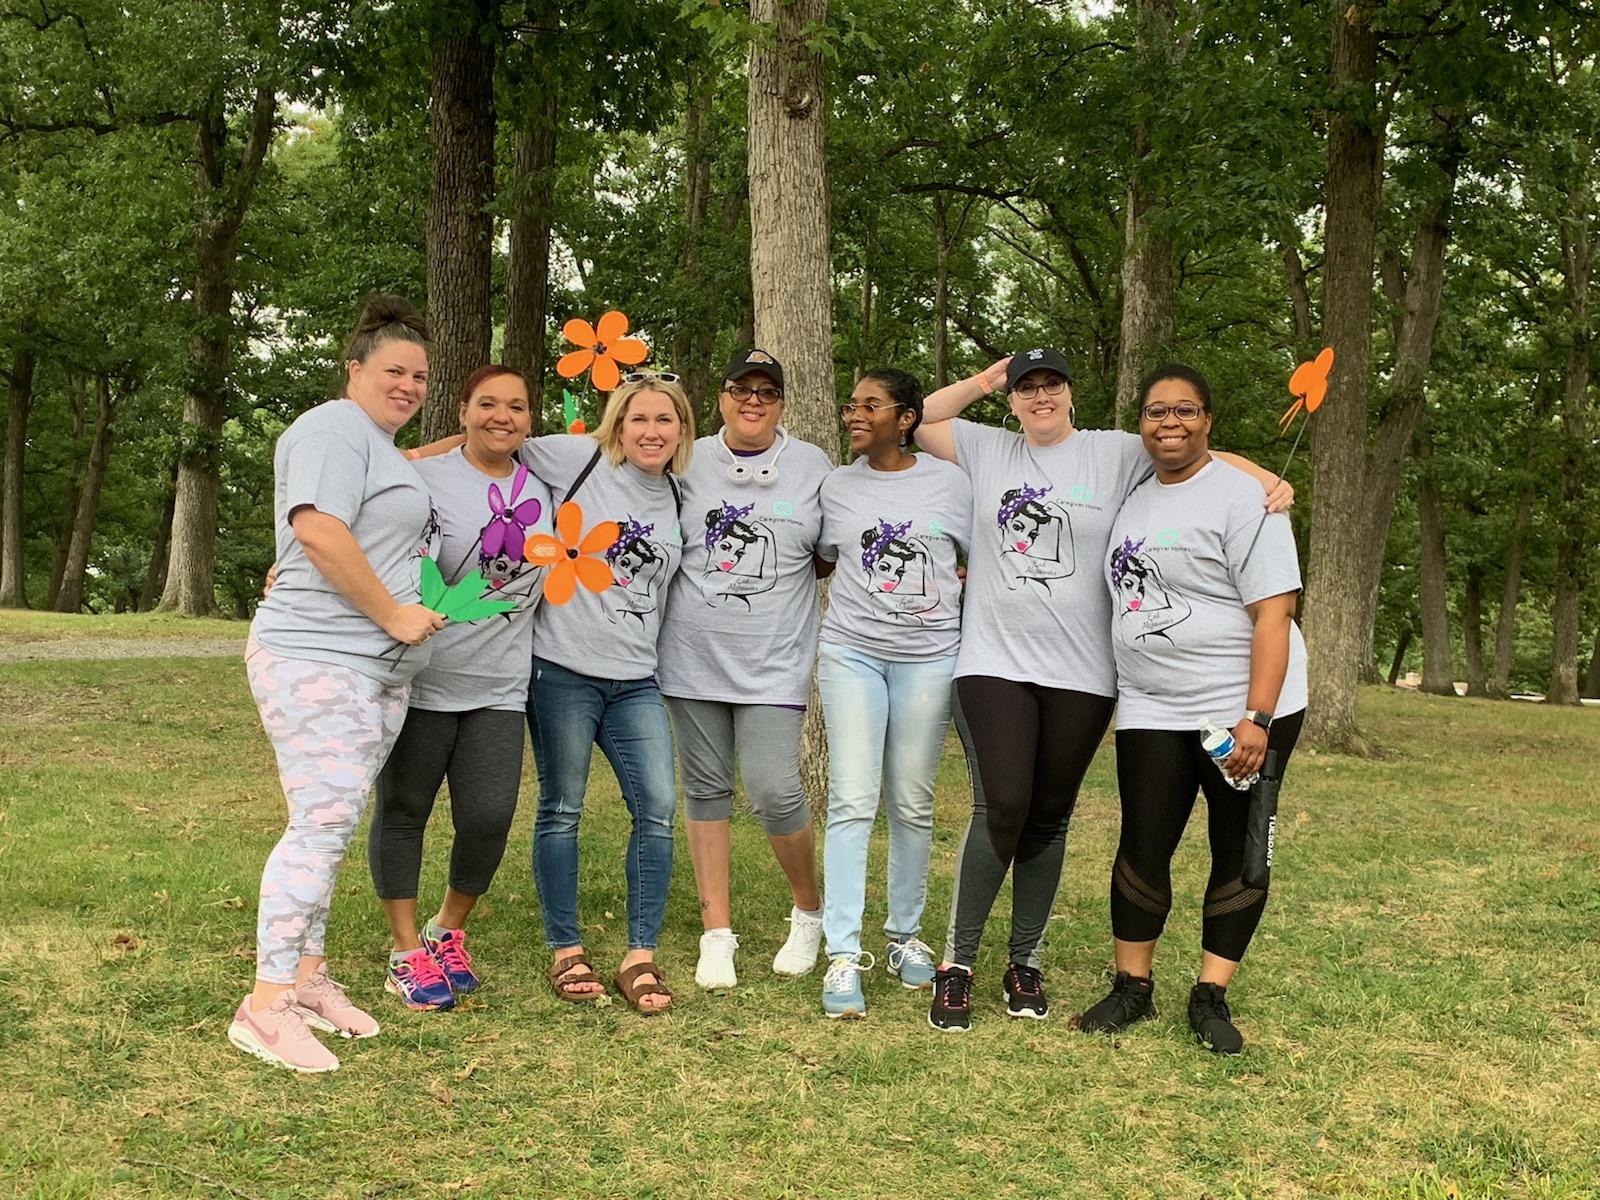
(905, 390)
(383, 319)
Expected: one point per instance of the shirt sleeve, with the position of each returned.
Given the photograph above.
(1273, 567)
(1133, 460)
(556, 458)
(327, 473)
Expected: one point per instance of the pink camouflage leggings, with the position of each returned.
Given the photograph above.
(331, 728)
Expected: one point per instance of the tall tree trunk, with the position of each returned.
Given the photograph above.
(941, 290)
(155, 576)
(694, 339)
(1399, 660)
(790, 271)
(70, 599)
(13, 550)
(460, 229)
(77, 389)
(1334, 632)
(528, 269)
(1147, 320)
(1506, 620)
(224, 188)
(1572, 545)
(1438, 674)
(1472, 629)
(1591, 681)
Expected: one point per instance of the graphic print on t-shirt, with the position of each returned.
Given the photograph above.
(1035, 538)
(1147, 606)
(637, 563)
(742, 555)
(899, 572)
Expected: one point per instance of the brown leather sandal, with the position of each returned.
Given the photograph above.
(561, 981)
(624, 981)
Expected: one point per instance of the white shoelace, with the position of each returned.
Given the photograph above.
(914, 950)
(842, 971)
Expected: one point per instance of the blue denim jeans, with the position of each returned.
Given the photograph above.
(568, 715)
(886, 729)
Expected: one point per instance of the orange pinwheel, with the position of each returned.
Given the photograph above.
(571, 554)
(1309, 386)
(601, 346)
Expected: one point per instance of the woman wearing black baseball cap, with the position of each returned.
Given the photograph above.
(1035, 680)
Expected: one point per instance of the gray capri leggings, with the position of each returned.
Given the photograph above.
(481, 752)
(768, 741)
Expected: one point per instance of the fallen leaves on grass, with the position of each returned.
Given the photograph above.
(466, 1071)
(125, 943)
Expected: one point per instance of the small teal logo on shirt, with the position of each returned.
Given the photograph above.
(1082, 493)
(935, 529)
(782, 508)
(1166, 537)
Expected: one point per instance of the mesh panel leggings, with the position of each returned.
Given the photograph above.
(1027, 750)
(1158, 774)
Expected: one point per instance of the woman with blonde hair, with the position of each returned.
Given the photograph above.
(594, 665)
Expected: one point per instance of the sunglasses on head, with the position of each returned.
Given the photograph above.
(650, 377)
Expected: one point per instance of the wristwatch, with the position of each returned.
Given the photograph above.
(1263, 719)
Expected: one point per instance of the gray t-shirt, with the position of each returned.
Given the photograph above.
(895, 535)
(337, 460)
(610, 634)
(1036, 611)
(1179, 583)
(483, 523)
(742, 626)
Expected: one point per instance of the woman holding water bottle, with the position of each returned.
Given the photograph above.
(1203, 589)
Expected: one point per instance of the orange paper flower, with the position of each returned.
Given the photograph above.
(570, 555)
(602, 346)
(1309, 386)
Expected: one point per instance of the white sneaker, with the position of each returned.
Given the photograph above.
(715, 968)
(799, 954)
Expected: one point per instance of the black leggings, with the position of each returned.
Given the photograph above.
(1027, 750)
(481, 752)
(1158, 773)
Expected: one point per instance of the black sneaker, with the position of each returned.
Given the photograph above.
(1024, 989)
(1211, 1021)
(1131, 1000)
(952, 1000)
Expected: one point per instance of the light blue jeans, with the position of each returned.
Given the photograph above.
(886, 729)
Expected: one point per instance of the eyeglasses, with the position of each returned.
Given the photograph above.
(650, 377)
(1053, 386)
(867, 408)
(1186, 411)
(766, 395)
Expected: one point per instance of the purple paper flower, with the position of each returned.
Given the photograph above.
(508, 527)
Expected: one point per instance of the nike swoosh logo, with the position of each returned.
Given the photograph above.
(266, 1040)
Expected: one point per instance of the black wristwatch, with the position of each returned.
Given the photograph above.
(1263, 719)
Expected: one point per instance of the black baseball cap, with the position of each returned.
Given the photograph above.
(1024, 361)
(748, 362)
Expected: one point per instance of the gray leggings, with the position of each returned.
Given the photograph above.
(481, 753)
(768, 741)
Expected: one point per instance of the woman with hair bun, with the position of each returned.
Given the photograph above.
(895, 523)
(353, 521)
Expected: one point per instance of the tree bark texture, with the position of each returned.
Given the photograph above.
(461, 122)
(528, 268)
(694, 339)
(1591, 681)
(70, 599)
(1147, 319)
(941, 290)
(1572, 545)
(223, 189)
(155, 576)
(1472, 630)
(77, 389)
(1335, 600)
(13, 550)
(790, 270)
(1438, 674)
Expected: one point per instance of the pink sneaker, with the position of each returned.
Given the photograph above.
(279, 1035)
(327, 1008)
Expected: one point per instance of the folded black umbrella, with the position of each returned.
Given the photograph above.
(1261, 825)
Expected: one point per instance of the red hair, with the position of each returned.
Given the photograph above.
(483, 374)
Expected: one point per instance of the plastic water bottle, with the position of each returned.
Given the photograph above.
(1219, 744)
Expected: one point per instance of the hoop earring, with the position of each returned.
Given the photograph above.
(1008, 417)
(1072, 415)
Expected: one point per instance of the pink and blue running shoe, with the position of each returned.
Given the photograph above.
(419, 982)
(449, 950)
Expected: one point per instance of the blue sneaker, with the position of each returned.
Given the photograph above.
(841, 986)
(449, 950)
(419, 982)
(912, 961)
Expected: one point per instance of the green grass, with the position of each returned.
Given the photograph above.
(1422, 1006)
(17, 628)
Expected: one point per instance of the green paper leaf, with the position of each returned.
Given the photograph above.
(462, 604)
(433, 589)
(476, 610)
(569, 408)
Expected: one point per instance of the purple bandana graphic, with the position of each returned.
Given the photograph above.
(729, 517)
(886, 534)
(632, 532)
(1014, 505)
(1121, 556)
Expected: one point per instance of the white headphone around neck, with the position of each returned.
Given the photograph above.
(740, 471)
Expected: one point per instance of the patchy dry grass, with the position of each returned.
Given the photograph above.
(1422, 1007)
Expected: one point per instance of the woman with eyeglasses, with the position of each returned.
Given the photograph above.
(737, 648)
(1203, 585)
(1034, 681)
(895, 522)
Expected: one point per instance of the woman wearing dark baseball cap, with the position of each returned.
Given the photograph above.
(737, 649)
(1035, 682)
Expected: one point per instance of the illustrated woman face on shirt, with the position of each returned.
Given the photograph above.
(1035, 537)
(1146, 605)
(739, 551)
